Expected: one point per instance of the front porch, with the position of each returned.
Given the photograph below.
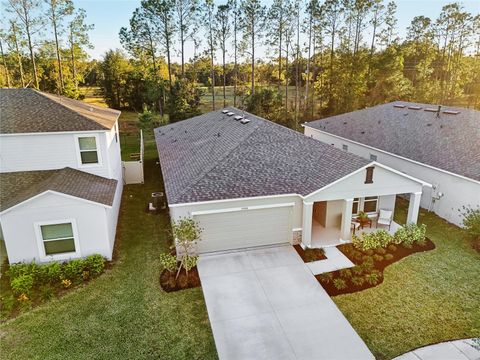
(331, 236)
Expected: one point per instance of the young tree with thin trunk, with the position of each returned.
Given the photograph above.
(78, 38)
(277, 17)
(235, 12)
(253, 21)
(186, 14)
(297, 61)
(160, 13)
(388, 35)
(209, 19)
(333, 12)
(27, 12)
(4, 60)
(56, 13)
(223, 32)
(15, 46)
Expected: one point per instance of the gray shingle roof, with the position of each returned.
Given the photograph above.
(16, 187)
(448, 142)
(30, 111)
(213, 157)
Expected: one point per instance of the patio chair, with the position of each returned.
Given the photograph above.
(385, 218)
(355, 226)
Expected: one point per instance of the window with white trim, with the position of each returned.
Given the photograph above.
(88, 149)
(370, 204)
(355, 206)
(58, 238)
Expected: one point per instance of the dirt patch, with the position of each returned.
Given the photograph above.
(309, 255)
(169, 282)
(368, 269)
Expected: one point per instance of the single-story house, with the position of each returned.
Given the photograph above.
(251, 182)
(437, 144)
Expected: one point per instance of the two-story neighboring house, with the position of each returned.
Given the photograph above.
(60, 177)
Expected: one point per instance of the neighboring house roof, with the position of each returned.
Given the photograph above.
(449, 142)
(31, 111)
(213, 157)
(17, 187)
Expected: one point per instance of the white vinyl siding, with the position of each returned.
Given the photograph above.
(238, 229)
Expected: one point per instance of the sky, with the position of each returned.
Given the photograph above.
(110, 15)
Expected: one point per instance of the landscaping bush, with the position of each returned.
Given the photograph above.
(50, 273)
(373, 278)
(409, 234)
(73, 270)
(358, 280)
(346, 273)
(357, 270)
(372, 240)
(377, 257)
(95, 264)
(471, 221)
(339, 284)
(22, 284)
(392, 248)
(388, 257)
(326, 278)
(17, 270)
(380, 251)
(168, 262)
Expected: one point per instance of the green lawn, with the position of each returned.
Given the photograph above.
(425, 298)
(123, 314)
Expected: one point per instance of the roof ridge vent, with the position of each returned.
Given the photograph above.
(238, 117)
(245, 121)
(230, 113)
(414, 107)
(430, 109)
(399, 106)
(451, 112)
(225, 111)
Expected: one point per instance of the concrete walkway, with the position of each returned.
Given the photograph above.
(335, 261)
(450, 350)
(266, 304)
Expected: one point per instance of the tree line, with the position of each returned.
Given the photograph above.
(318, 58)
(43, 45)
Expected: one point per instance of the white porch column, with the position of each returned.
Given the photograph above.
(346, 219)
(307, 224)
(413, 207)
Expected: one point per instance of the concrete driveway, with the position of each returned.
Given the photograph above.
(266, 304)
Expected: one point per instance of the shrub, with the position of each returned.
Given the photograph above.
(326, 278)
(377, 257)
(50, 273)
(20, 269)
(22, 284)
(345, 273)
(368, 259)
(73, 270)
(471, 221)
(410, 233)
(168, 262)
(94, 264)
(339, 284)
(372, 240)
(388, 257)
(369, 252)
(373, 278)
(380, 251)
(392, 248)
(358, 280)
(189, 262)
(357, 270)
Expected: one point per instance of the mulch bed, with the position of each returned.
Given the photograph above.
(169, 283)
(309, 255)
(367, 263)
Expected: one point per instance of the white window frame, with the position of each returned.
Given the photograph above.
(40, 241)
(376, 206)
(79, 157)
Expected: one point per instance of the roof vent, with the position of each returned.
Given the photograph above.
(245, 121)
(399, 106)
(451, 112)
(430, 109)
(91, 109)
(414, 107)
(224, 111)
(238, 117)
(230, 113)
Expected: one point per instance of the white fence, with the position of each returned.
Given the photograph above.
(133, 170)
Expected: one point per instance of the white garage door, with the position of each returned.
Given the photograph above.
(236, 229)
